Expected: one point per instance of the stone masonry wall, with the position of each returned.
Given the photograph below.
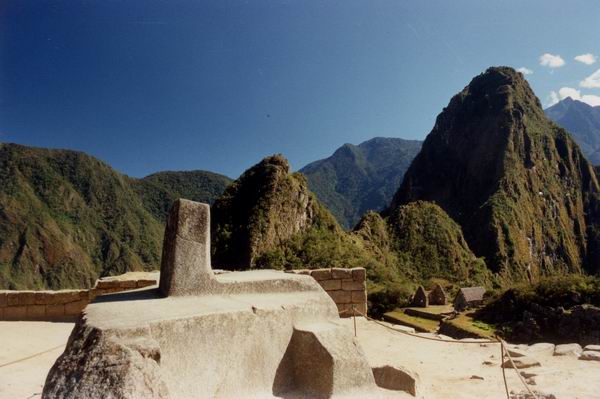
(64, 305)
(347, 287)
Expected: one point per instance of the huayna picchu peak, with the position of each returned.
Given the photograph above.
(516, 182)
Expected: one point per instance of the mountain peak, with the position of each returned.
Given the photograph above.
(506, 174)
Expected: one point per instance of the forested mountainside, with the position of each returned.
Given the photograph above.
(359, 178)
(67, 218)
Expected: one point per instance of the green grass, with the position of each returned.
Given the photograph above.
(434, 309)
(418, 323)
(465, 322)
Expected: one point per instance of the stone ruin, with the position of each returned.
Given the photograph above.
(257, 334)
(420, 298)
(437, 296)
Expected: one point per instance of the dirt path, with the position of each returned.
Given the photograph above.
(446, 369)
(22, 376)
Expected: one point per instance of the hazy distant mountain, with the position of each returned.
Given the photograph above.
(582, 121)
(358, 178)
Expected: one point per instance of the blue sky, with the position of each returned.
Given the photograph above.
(217, 85)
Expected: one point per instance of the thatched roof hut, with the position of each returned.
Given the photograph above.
(420, 298)
(437, 296)
(469, 297)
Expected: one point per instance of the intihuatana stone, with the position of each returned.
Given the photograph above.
(240, 334)
(185, 266)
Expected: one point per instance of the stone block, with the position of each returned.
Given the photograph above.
(321, 274)
(359, 296)
(74, 308)
(102, 284)
(55, 312)
(344, 309)
(36, 312)
(327, 361)
(521, 362)
(396, 378)
(185, 265)
(359, 274)
(145, 283)
(15, 313)
(330, 285)
(568, 350)
(341, 296)
(85, 294)
(351, 285)
(42, 297)
(128, 284)
(590, 355)
(61, 297)
(340, 273)
(3, 299)
(12, 298)
(541, 348)
(26, 297)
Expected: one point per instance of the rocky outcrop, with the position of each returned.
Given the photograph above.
(517, 183)
(260, 210)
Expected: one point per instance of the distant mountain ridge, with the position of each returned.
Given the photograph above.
(358, 178)
(67, 218)
(582, 121)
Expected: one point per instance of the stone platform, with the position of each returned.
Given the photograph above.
(258, 334)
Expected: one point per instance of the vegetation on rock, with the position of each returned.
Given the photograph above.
(159, 190)
(557, 309)
(67, 218)
(517, 183)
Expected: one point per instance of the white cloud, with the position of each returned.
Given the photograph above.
(552, 99)
(592, 81)
(587, 59)
(551, 60)
(575, 94)
(525, 71)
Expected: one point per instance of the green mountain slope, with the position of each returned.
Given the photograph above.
(516, 182)
(582, 121)
(268, 218)
(356, 179)
(159, 190)
(424, 242)
(67, 218)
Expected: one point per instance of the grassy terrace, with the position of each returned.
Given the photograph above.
(465, 322)
(418, 323)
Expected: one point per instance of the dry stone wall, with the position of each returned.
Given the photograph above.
(347, 287)
(63, 305)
